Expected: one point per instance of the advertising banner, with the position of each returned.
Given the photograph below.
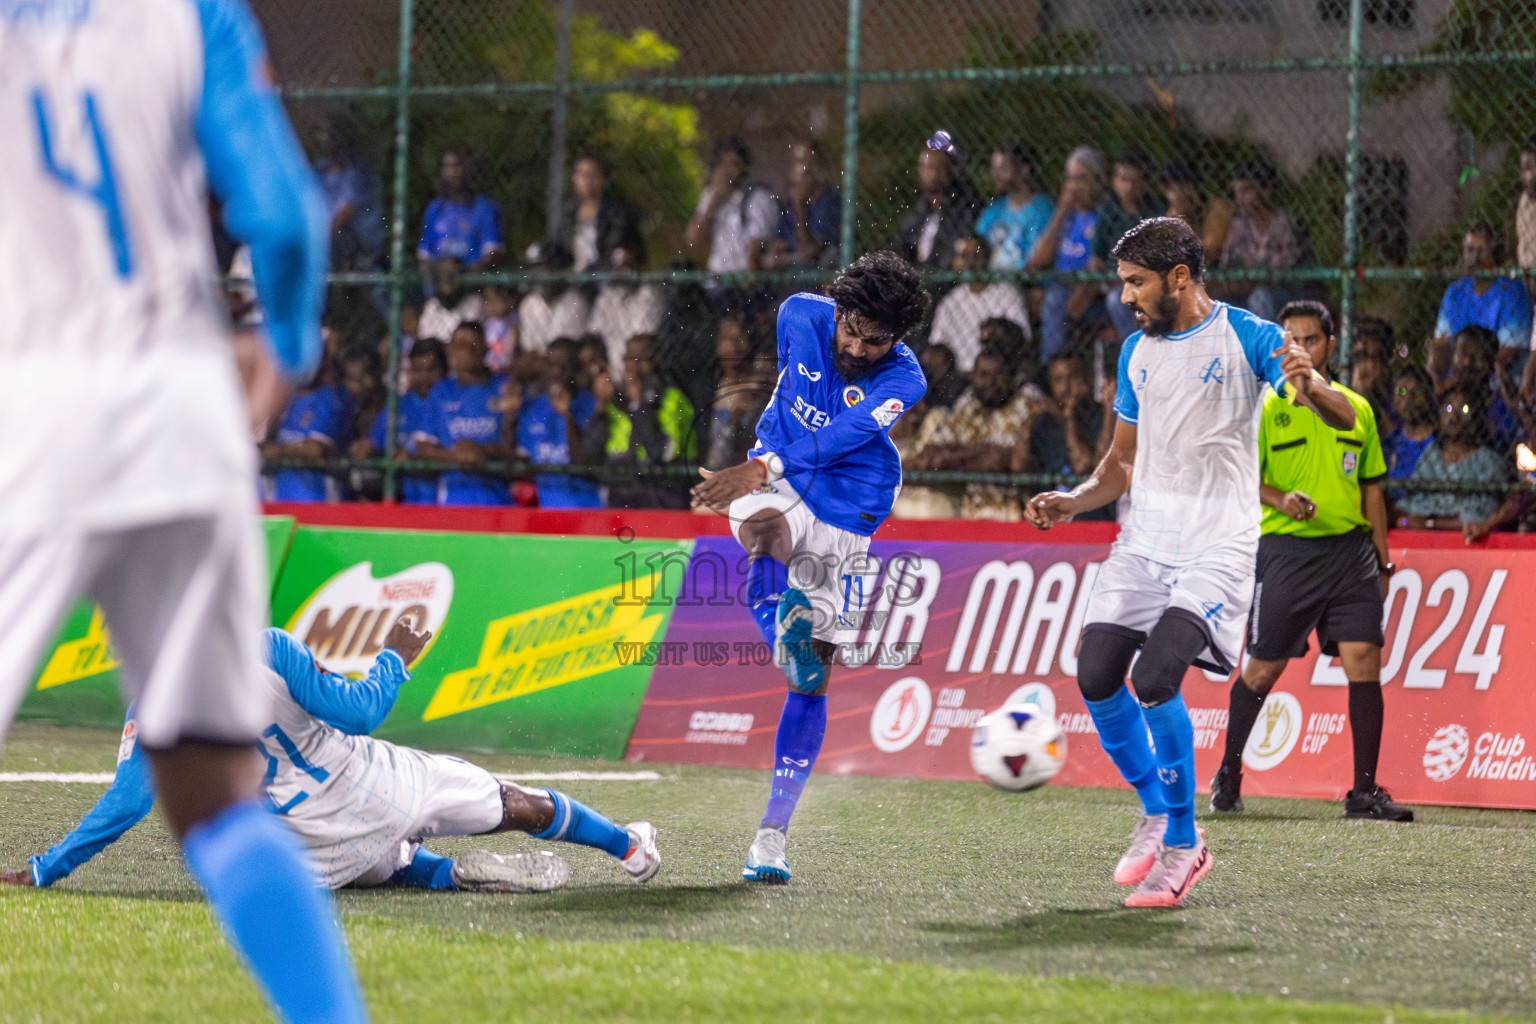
(956, 630)
(533, 637)
(82, 656)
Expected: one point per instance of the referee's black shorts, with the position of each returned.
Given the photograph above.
(1331, 584)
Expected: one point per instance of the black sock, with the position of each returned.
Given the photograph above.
(1365, 716)
(1242, 712)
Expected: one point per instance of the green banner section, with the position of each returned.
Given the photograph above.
(77, 677)
(527, 631)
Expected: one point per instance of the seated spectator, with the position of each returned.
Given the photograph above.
(1069, 431)
(352, 197)
(1262, 237)
(1413, 407)
(1066, 245)
(1210, 216)
(1474, 354)
(811, 222)
(733, 346)
(549, 430)
(736, 215)
(1370, 369)
(649, 423)
(917, 501)
(1017, 349)
(625, 306)
(1525, 213)
(414, 416)
(740, 398)
(1457, 456)
(501, 328)
(316, 425)
(978, 435)
(591, 358)
(362, 376)
(945, 210)
(945, 381)
(451, 303)
(1012, 222)
(459, 224)
(462, 424)
(1131, 201)
(595, 222)
(1501, 305)
(958, 317)
(550, 310)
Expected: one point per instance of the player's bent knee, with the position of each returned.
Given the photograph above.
(1103, 661)
(524, 809)
(1175, 643)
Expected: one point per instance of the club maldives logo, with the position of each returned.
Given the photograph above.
(1275, 733)
(1446, 752)
(900, 714)
(345, 621)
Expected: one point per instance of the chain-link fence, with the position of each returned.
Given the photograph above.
(673, 168)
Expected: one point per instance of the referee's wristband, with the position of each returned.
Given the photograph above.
(773, 464)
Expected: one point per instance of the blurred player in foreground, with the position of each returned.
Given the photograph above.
(1178, 581)
(1322, 565)
(820, 481)
(362, 804)
(128, 474)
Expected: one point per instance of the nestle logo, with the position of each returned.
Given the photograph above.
(407, 590)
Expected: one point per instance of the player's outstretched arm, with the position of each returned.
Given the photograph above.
(1310, 389)
(256, 168)
(1110, 480)
(355, 706)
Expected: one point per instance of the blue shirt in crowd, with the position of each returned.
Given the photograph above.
(541, 433)
(1505, 309)
(353, 185)
(414, 416)
(823, 216)
(1012, 233)
(461, 231)
(327, 414)
(466, 412)
(1076, 246)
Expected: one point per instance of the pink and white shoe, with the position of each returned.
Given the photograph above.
(643, 860)
(1146, 840)
(1175, 870)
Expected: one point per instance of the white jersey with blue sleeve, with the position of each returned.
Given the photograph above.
(118, 390)
(834, 435)
(359, 802)
(1195, 398)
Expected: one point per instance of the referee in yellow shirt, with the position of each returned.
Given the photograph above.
(1322, 565)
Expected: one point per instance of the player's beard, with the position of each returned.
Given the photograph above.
(1167, 311)
(848, 367)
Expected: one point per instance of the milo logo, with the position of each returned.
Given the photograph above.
(346, 620)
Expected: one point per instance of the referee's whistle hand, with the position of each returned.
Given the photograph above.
(1298, 506)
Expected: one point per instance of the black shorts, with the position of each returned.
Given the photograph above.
(1331, 584)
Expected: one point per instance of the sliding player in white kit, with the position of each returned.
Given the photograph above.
(1178, 582)
(127, 473)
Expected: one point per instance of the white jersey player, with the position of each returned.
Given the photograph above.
(127, 473)
(1179, 580)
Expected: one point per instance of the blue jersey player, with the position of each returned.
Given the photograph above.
(818, 484)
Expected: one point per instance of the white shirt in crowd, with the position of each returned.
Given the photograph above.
(957, 320)
(543, 320)
(439, 321)
(621, 312)
(741, 221)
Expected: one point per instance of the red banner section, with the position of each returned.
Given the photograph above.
(958, 629)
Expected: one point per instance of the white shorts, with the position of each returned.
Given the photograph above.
(831, 566)
(1132, 593)
(184, 601)
(456, 799)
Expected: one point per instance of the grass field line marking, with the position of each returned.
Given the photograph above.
(101, 778)
(582, 777)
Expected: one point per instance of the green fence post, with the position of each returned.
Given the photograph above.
(850, 135)
(1351, 271)
(397, 244)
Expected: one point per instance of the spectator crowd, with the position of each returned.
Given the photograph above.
(622, 372)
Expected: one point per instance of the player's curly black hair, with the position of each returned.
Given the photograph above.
(1160, 244)
(883, 288)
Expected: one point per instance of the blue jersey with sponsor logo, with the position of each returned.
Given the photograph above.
(834, 435)
(414, 416)
(541, 433)
(467, 412)
(324, 414)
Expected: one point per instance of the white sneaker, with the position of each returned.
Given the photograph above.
(1146, 840)
(643, 859)
(765, 858)
(484, 871)
(1175, 872)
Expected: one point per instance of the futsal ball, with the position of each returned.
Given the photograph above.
(1018, 748)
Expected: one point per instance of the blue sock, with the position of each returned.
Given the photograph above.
(275, 914)
(766, 579)
(1123, 734)
(426, 870)
(1174, 735)
(802, 725)
(577, 823)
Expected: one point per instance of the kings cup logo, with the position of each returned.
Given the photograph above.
(1275, 733)
(346, 620)
(900, 714)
